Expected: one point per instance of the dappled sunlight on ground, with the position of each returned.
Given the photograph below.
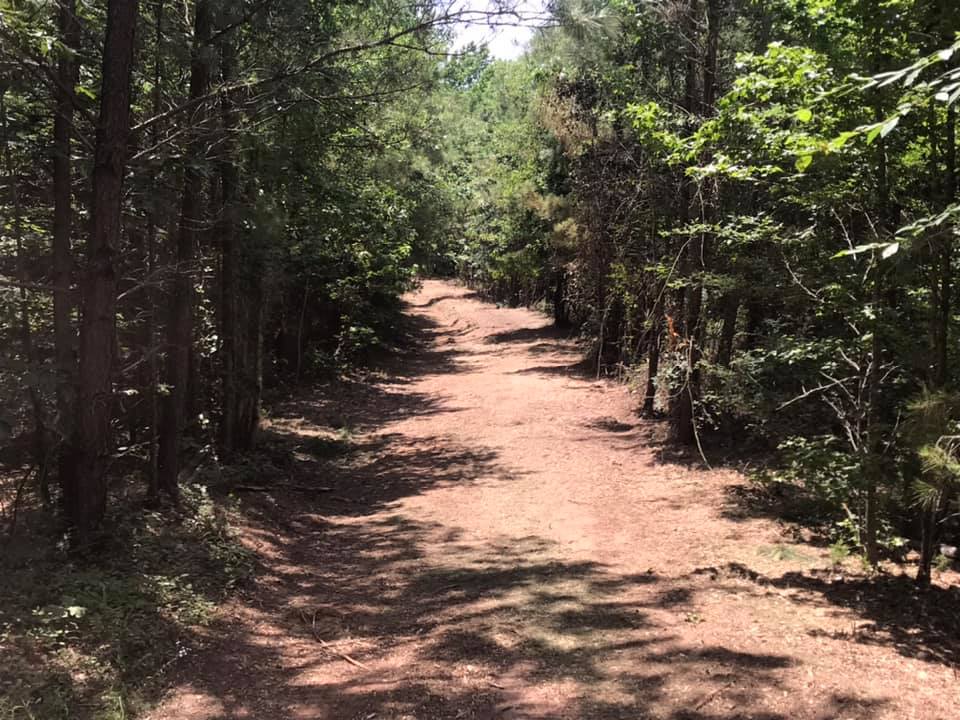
(498, 537)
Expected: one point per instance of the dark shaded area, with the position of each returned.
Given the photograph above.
(582, 369)
(546, 348)
(892, 610)
(127, 606)
(780, 502)
(922, 624)
(547, 340)
(441, 298)
(371, 399)
(611, 425)
(529, 335)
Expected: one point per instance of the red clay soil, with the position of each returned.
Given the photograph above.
(508, 541)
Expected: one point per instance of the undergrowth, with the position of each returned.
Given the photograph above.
(91, 637)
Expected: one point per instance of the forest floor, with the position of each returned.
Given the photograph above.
(492, 533)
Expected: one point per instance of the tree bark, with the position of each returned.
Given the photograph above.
(943, 284)
(64, 331)
(86, 495)
(653, 361)
(250, 354)
(683, 429)
(871, 461)
(872, 445)
(560, 318)
(180, 324)
(150, 326)
(930, 526)
(681, 408)
(943, 292)
(230, 255)
(731, 309)
(712, 52)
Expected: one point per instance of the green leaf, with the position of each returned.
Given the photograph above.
(804, 115)
(889, 125)
(838, 142)
(851, 252)
(886, 249)
(803, 162)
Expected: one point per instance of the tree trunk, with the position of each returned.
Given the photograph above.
(230, 255)
(87, 493)
(943, 287)
(683, 430)
(756, 313)
(943, 292)
(180, 324)
(560, 318)
(872, 445)
(653, 361)
(250, 355)
(712, 52)
(300, 328)
(64, 332)
(681, 408)
(150, 326)
(872, 450)
(930, 526)
(731, 309)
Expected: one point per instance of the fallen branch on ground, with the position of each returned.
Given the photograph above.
(328, 646)
(268, 488)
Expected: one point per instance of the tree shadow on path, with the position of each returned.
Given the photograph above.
(366, 611)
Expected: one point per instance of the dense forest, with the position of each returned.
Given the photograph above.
(745, 210)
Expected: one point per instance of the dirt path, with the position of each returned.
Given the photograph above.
(507, 542)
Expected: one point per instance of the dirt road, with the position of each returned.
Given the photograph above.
(506, 540)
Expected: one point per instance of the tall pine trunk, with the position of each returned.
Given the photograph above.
(230, 255)
(653, 360)
(86, 494)
(180, 324)
(728, 330)
(153, 304)
(943, 284)
(64, 331)
(942, 291)
(873, 450)
(683, 428)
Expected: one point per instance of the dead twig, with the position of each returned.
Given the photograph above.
(328, 646)
(268, 488)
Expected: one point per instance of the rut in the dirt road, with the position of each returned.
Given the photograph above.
(506, 541)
